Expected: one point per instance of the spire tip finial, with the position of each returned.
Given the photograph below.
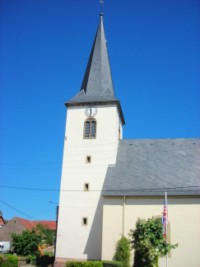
(101, 3)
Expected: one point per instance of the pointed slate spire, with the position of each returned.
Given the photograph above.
(97, 85)
(97, 80)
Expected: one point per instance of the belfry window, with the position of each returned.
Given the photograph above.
(90, 128)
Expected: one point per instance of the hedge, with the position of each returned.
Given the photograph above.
(9, 261)
(84, 264)
(112, 264)
(122, 253)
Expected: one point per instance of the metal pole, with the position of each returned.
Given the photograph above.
(57, 211)
(166, 225)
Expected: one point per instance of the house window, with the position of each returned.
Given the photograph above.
(84, 221)
(86, 187)
(90, 128)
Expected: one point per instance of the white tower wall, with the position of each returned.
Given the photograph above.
(75, 240)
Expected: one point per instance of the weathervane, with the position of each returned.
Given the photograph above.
(101, 2)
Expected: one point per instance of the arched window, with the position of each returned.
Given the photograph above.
(90, 128)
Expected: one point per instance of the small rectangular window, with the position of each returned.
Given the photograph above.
(86, 187)
(88, 159)
(84, 221)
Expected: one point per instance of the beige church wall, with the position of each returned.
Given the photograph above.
(120, 216)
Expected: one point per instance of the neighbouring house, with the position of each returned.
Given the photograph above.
(2, 221)
(108, 182)
(18, 225)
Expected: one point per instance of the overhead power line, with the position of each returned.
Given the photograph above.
(178, 188)
(17, 210)
(28, 188)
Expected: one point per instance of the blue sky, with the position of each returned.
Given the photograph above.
(155, 61)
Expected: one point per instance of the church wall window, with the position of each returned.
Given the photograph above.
(90, 128)
(88, 159)
(86, 187)
(84, 221)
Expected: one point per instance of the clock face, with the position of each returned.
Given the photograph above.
(91, 111)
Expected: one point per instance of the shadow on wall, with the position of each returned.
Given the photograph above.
(94, 242)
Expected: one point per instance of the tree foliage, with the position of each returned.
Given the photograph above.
(26, 243)
(122, 253)
(148, 243)
(46, 235)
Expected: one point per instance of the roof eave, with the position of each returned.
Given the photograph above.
(152, 194)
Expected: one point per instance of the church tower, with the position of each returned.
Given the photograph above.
(93, 130)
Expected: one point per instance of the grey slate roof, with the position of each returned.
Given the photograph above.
(150, 167)
(97, 85)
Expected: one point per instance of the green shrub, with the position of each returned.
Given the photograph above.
(112, 264)
(84, 264)
(148, 243)
(5, 263)
(122, 253)
(9, 261)
(49, 253)
(29, 259)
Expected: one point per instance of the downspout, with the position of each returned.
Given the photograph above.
(123, 215)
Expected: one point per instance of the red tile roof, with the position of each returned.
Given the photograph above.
(2, 222)
(51, 225)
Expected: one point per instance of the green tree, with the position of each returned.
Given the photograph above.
(26, 243)
(123, 251)
(148, 243)
(47, 235)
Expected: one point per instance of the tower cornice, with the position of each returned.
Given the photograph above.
(103, 103)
